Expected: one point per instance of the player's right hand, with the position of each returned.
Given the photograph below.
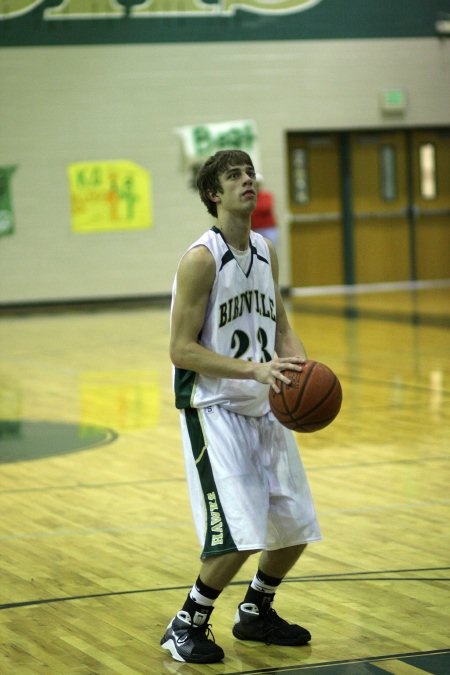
(271, 371)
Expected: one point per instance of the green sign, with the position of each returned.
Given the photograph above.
(6, 211)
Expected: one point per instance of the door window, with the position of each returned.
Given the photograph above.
(388, 172)
(427, 171)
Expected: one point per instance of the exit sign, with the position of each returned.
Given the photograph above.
(393, 101)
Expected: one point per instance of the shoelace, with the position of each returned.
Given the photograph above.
(274, 619)
(275, 622)
(198, 633)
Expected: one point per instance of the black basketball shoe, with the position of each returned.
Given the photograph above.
(266, 626)
(189, 642)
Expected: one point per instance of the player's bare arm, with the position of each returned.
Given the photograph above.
(195, 277)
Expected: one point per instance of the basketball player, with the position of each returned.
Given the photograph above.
(231, 341)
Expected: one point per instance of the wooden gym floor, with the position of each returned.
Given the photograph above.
(97, 547)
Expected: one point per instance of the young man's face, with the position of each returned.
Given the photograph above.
(238, 189)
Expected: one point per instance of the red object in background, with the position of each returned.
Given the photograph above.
(263, 216)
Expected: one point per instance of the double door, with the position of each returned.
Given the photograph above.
(369, 207)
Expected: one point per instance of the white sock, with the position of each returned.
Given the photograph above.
(199, 598)
(262, 587)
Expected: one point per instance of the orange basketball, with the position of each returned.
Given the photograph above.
(311, 401)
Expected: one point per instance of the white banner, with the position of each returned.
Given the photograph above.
(202, 140)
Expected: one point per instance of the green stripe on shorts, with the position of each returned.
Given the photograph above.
(218, 539)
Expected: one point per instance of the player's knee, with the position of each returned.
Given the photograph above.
(247, 554)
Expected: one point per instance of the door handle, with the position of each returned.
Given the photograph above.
(315, 217)
(378, 215)
(418, 211)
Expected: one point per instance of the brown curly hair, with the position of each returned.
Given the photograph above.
(208, 176)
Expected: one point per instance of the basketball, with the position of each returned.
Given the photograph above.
(311, 401)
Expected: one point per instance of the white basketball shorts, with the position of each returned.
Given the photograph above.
(246, 481)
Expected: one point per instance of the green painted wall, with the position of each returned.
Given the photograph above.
(52, 22)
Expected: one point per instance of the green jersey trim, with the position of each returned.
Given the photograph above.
(184, 385)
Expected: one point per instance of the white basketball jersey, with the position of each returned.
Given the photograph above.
(240, 322)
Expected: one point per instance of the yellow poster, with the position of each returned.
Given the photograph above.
(108, 196)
